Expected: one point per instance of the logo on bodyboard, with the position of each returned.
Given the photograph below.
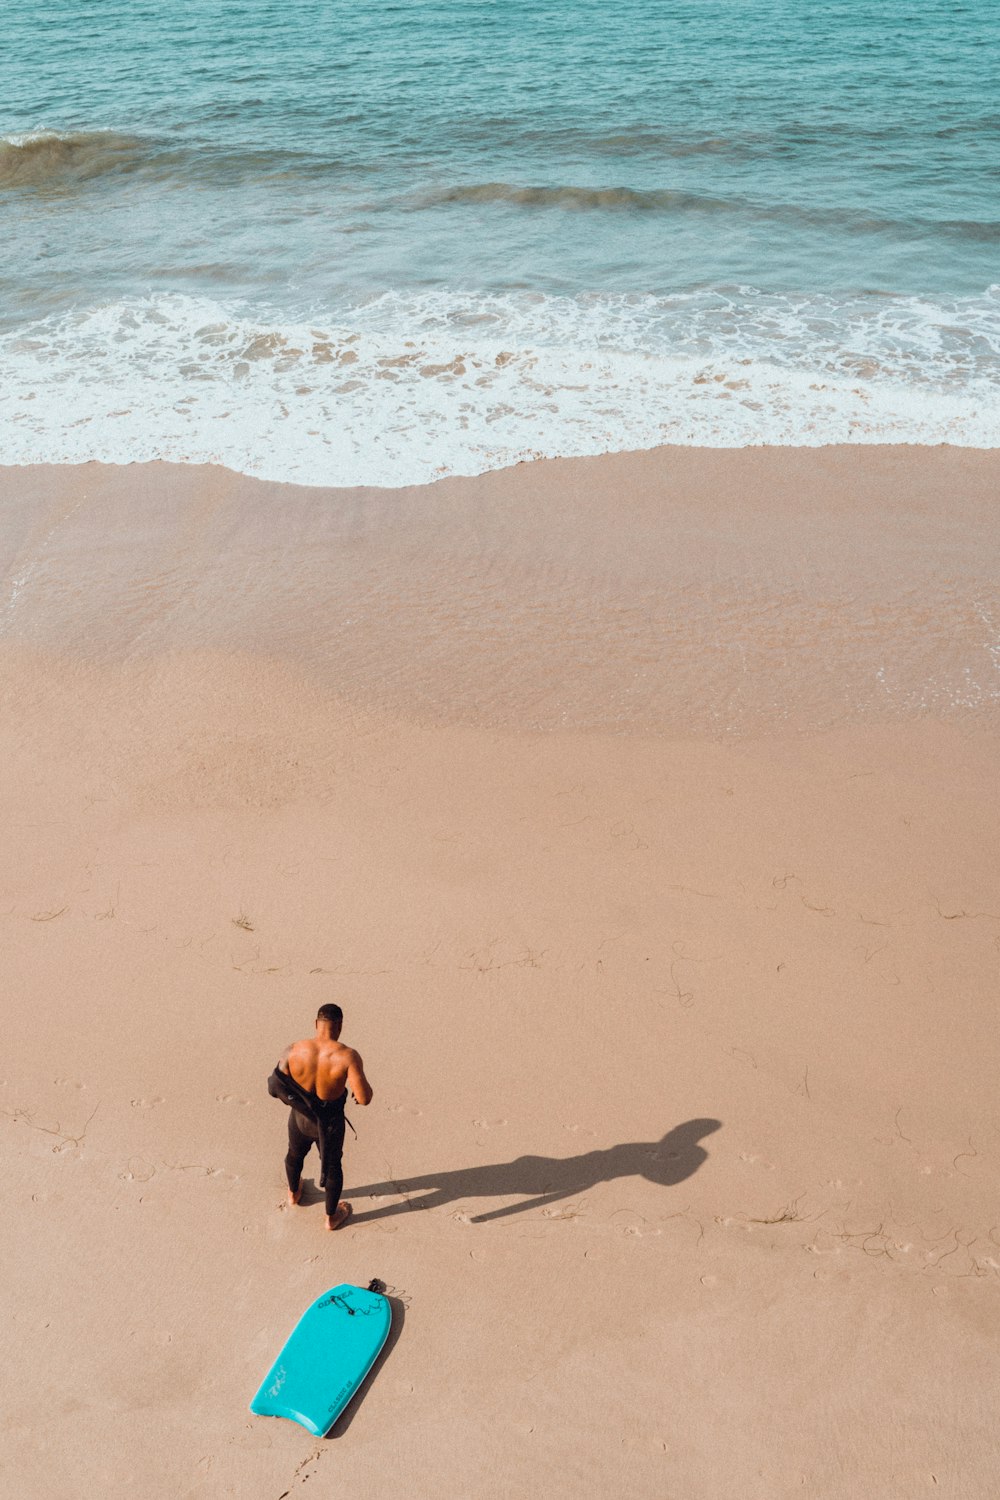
(337, 1301)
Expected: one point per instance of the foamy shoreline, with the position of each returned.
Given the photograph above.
(408, 386)
(680, 1167)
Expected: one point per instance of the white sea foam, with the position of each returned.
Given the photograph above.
(407, 388)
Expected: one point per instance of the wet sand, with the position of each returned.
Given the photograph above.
(641, 813)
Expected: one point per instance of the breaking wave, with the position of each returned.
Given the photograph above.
(50, 160)
(50, 163)
(671, 201)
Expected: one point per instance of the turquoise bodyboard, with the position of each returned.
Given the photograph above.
(326, 1357)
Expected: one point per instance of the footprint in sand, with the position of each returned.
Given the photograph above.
(753, 1161)
(146, 1103)
(824, 1244)
(137, 1169)
(488, 1124)
(636, 1227)
(68, 1083)
(230, 1099)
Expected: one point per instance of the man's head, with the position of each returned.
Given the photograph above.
(329, 1019)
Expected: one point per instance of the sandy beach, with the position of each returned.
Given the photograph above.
(641, 812)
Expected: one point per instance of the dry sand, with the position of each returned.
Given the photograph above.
(642, 814)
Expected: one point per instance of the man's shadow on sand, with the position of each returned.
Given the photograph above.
(545, 1179)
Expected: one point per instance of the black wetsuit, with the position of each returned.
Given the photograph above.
(312, 1121)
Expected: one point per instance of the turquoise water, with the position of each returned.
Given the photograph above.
(341, 244)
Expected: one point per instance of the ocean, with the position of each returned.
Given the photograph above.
(345, 244)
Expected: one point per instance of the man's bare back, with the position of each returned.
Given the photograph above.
(326, 1068)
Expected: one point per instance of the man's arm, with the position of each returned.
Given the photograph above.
(356, 1080)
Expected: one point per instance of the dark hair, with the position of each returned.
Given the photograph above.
(332, 1014)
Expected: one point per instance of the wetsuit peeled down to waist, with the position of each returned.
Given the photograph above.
(312, 1122)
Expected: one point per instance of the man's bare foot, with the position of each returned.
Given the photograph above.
(293, 1198)
(340, 1218)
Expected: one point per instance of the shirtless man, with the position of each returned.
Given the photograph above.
(324, 1069)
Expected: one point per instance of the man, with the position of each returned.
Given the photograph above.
(312, 1078)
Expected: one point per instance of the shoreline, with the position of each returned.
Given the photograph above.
(410, 386)
(657, 450)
